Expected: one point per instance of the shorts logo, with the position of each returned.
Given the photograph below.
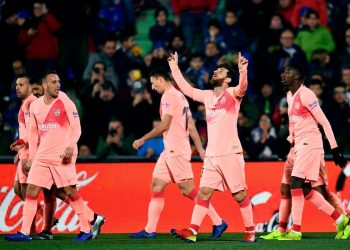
(57, 112)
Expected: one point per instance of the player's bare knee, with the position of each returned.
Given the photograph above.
(205, 193)
(285, 190)
(307, 188)
(186, 187)
(322, 190)
(70, 191)
(296, 182)
(240, 196)
(32, 191)
(158, 185)
(17, 190)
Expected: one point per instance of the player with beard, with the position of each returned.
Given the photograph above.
(224, 162)
(55, 121)
(24, 93)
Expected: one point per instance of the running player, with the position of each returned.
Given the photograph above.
(304, 115)
(24, 93)
(174, 163)
(286, 204)
(224, 162)
(55, 121)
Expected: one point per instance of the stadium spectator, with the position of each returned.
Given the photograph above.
(105, 55)
(265, 100)
(100, 104)
(234, 36)
(212, 55)
(243, 131)
(214, 34)
(163, 30)
(115, 142)
(193, 17)
(343, 51)
(321, 63)
(286, 9)
(263, 140)
(153, 147)
(316, 87)
(38, 39)
(345, 79)
(305, 6)
(196, 72)
(314, 36)
(288, 53)
(340, 123)
(177, 43)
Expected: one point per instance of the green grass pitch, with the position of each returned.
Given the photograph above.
(166, 241)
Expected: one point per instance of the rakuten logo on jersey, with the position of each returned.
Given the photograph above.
(295, 118)
(215, 112)
(47, 126)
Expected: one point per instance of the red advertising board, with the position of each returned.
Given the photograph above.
(120, 191)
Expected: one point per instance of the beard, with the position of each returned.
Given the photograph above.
(217, 82)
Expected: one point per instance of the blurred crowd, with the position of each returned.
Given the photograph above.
(93, 44)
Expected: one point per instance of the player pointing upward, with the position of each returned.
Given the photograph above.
(224, 162)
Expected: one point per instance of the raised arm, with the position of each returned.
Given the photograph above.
(240, 90)
(186, 88)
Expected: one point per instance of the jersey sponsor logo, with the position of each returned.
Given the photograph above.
(295, 118)
(47, 126)
(214, 112)
(57, 112)
(313, 104)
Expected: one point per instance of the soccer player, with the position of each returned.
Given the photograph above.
(174, 163)
(285, 202)
(24, 93)
(224, 162)
(54, 119)
(305, 114)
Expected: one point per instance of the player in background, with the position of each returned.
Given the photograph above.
(174, 163)
(96, 220)
(55, 121)
(24, 93)
(305, 114)
(224, 162)
(320, 186)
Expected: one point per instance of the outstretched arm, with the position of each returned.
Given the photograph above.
(186, 88)
(241, 88)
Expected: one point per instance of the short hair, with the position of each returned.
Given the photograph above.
(345, 67)
(24, 76)
(230, 73)
(315, 82)
(299, 70)
(197, 55)
(160, 72)
(100, 62)
(107, 85)
(312, 12)
(48, 72)
(36, 79)
(161, 9)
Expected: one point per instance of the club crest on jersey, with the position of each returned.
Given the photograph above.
(223, 100)
(57, 112)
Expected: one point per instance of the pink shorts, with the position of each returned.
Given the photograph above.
(224, 172)
(20, 176)
(288, 168)
(173, 169)
(45, 174)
